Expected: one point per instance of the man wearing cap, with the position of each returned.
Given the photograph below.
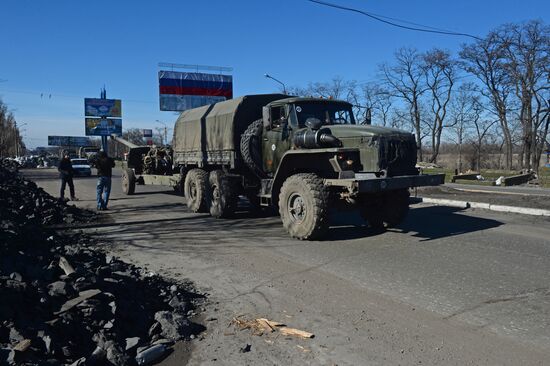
(66, 173)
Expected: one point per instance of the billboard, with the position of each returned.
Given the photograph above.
(68, 141)
(103, 126)
(180, 91)
(147, 133)
(94, 107)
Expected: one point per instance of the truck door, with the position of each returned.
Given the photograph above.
(276, 139)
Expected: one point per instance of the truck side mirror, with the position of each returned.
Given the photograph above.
(265, 116)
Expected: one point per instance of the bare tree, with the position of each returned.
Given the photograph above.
(379, 101)
(482, 127)
(405, 80)
(463, 113)
(527, 49)
(486, 60)
(11, 142)
(440, 72)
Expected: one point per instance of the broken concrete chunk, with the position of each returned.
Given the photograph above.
(115, 355)
(151, 354)
(7, 356)
(47, 343)
(178, 304)
(23, 345)
(57, 288)
(131, 342)
(98, 357)
(82, 296)
(80, 362)
(16, 277)
(66, 266)
(15, 336)
(174, 326)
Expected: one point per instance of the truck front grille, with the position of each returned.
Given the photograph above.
(398, 156)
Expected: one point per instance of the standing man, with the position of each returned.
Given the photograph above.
(66, 172)
(104, 165)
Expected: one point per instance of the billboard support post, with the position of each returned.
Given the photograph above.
(104, 142)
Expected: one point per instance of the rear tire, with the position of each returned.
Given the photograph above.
(128, 181)
(223, 196)
(303, 205)
(196, 189)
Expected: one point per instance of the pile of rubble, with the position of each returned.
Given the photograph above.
(65, 302)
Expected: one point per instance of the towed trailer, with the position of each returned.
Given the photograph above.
(148, 165)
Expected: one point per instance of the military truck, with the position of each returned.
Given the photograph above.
(302, 156)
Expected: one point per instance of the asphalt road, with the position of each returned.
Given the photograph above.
(449, 286)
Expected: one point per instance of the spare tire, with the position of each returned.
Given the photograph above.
(251, 148)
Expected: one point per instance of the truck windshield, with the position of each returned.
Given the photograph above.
(329, 113)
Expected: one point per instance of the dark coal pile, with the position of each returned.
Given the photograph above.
(62, 302)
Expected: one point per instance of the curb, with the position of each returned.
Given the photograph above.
(484, 206)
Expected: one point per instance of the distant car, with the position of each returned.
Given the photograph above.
(81, 167)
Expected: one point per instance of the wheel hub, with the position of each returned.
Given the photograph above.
(297, 207)
(193, 190)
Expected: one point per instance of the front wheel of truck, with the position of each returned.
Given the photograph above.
(196, 186)
(303, 205)
(223, 196)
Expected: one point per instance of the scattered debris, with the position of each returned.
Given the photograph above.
(469, 176)
(246, 348)
(262, 325)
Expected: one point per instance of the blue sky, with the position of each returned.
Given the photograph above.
(70, 49)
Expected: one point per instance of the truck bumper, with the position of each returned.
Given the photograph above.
(359, 185)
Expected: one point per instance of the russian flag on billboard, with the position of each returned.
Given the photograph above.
(180, 91)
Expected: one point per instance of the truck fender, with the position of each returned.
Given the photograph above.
(316, 161)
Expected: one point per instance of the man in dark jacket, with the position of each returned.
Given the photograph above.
(66, 172)
(104, 165)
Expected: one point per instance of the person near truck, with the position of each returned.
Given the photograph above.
(104, 165)
(66, 173)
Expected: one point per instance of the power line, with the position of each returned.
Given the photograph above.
(49, 96)
(379, 18)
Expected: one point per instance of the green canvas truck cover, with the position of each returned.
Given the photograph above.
(215, 130)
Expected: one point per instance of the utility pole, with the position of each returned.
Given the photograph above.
(15, 137)
(165, 132)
